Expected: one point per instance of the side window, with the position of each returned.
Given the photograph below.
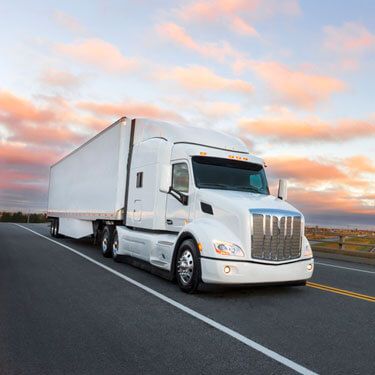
(180, 177)
(139, 182)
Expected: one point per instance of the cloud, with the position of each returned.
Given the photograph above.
(299, 88)
(69, 22)
(59, 78)
(350, 38)
(99, 54)
(26, 122)
(293, 129)
(360, 164)
(216, 10)
(14, 109)
(306, 171)
(201, 78)
(178, 35)
(130, 109)
(242, 27)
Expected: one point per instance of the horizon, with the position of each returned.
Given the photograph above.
(237, 66)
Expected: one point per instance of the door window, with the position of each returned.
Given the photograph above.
(180, 177)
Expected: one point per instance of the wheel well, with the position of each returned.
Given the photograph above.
(184, 236)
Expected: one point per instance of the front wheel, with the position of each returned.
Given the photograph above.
(115, 248)
(188, 267)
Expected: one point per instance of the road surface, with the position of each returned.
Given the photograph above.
(67, 310)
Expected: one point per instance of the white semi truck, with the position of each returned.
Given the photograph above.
(191, 204)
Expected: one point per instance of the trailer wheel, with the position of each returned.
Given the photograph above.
(107, 241)
(188, 267)
(115, 247)
(52, 227)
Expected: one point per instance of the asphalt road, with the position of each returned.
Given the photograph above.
(60, 313)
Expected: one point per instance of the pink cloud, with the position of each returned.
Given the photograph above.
(294, 129)
(300, 88)
(98, 53)
(178, 35)
(59, 78)
(130, 109)
(349, 38)
(69, 22)
(214, 10)
(242, 27)
(201, 78)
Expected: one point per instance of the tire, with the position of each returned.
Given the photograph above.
(188, 267)
(115, 246)
(55, 228)
(52, 228)
(106, 242)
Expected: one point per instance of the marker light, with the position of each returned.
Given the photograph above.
(226, 269)
(228, 248)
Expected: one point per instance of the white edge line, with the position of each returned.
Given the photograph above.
(344, 268)
(230, 332)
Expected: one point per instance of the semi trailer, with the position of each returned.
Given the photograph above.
(190, 204)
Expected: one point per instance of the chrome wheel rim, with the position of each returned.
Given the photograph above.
(104, 244)
(185, 267)
(115, 246)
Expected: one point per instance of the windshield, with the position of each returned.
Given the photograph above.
(226, 174)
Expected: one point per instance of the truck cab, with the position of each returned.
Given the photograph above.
(199, 208)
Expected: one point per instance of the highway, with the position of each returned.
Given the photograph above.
(64, 309)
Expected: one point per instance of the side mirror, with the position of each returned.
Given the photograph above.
(283, 190)
(181, 197)
(165, 178)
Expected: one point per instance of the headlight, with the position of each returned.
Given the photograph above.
(307, 252)
(228, 248)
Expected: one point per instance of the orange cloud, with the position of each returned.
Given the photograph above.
(350, 38)
(295, 87)
(59, 78)
(130, 109)
(294, 129)
(180, 37)
(304, 170)
(98, 53)
(201, 78)
(360, 164)
(14, 109)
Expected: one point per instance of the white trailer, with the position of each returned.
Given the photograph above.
(192, 204)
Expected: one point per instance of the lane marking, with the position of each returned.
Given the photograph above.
(341, 291)
(345, 268)
(230, 332)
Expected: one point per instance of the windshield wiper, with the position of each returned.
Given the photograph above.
(214, 186)
(249, 188)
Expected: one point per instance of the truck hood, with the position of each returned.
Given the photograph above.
(229, 200)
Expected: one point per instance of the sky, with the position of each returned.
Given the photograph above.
(294, 79)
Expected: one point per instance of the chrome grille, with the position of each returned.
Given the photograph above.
(275, 234)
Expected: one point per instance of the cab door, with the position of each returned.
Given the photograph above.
(178, 202)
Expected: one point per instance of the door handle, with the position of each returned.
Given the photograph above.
(169, 221)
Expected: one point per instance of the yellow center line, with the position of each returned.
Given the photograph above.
(344, 292)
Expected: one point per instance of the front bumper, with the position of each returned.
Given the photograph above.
(242, 272)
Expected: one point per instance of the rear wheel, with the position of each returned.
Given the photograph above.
(188, 267)
(52, 227)
(107, 241)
